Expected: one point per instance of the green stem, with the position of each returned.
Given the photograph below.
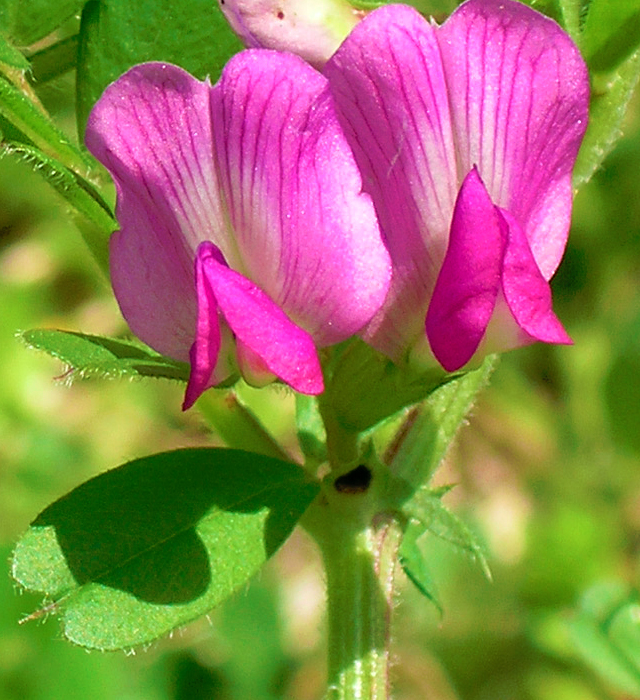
(359, 559)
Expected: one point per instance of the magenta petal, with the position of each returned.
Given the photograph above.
(519, 95)
(206, 347)
(151, 129)
(469, 282)
(391, 96)
(286, 349)
(526, 291)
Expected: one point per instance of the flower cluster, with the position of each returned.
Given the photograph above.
(416, 192)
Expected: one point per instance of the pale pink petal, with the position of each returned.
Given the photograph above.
(151, 129)
(392, 100)
(257, 322)
(519, 94)
(304, 232)
(470, 279)
(526, 291)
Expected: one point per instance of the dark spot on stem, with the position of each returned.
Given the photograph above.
(355, 481)
(280, 14)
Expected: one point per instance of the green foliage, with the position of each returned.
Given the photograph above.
(427, 514)
(413, 555)
(611, 32)
(608, 107)
(19, 109)
(26, 21)
(91, 355)
(117, 35)
(606, 634)
(137, 551)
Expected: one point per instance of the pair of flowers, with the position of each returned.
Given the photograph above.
(417, 192)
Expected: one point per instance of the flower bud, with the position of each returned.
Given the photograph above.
(313, 30)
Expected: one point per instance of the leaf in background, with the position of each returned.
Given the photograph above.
(54, 60)
(432, 426)
(606, 113)
(92, 355)
(413, 560)
(135, 552)
(606, 635)
(26, 21)
(611, 32)
(77, 192)
(119, 34)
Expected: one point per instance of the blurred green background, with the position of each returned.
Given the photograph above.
(548, 473)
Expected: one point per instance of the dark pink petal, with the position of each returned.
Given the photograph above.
(151, 129)
(391, 95)
(467, 289)
(519, 94)
(304, 232)
(206, 347)
(257, 322)
(526, 291)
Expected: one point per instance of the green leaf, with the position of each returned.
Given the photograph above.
(611, 32)
(26, 21)
(366, 387)
(608, 107)
(10, 57)
(19, 109)
(606, 635)
(97, 222)
(96, 356)
(427, 511)
(431, 427)
(137, 551)
(119, 34)
(414, 562)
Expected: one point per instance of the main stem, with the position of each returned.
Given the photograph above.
(359, 565)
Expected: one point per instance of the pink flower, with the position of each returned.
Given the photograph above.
(245, 240)
(466, 135)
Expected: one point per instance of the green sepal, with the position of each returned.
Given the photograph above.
(432, 426)
(312, 436)
(236, 424)
(140, 550)
(366, 387)
(109, 358)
